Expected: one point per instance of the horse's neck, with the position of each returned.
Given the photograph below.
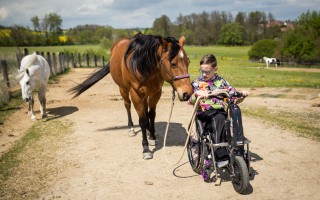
(34, 71)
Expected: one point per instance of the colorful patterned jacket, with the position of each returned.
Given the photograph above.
(216, 82)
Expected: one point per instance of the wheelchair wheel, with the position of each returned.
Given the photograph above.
(195, 149)
(241, 180)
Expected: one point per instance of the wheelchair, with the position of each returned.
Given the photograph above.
(209, 158)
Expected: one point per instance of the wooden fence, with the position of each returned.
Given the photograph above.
(58, 62)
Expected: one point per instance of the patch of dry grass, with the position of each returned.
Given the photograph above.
(34, 162)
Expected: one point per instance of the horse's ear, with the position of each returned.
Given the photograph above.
(182, 41)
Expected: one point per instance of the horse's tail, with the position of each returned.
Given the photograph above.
(93, 79)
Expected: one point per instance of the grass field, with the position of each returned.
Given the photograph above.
(233, 64)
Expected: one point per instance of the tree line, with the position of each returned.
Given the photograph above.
(199, 29)
(297, 41)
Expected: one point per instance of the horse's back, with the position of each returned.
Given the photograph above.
(121, 75)
(45, 68)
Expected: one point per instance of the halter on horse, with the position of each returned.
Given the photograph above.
(139, 66)
(34, 74)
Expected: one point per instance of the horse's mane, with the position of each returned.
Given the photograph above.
(29, 63)
(144, 50)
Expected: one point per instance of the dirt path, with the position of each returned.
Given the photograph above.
(109, 164)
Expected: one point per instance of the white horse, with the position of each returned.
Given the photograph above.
(270, 61)
(34, 74)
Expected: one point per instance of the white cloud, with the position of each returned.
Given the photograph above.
(108, 2)
(87, 9)
(141, 13)
(4, 12)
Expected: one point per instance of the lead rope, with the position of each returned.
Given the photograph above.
(189, 129)
(195, 107)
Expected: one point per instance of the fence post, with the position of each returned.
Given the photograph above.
(59, 63)
(19, 57)
(102, 60)
(54, 63)
(79, 59)
(64, 60)
(68, 60)
(26, 51)
(95, 61)
(5, 72)
(73, 63)
(52, 72)
(87, 60)
(48, 58)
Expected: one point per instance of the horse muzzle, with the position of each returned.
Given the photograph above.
(183, 96)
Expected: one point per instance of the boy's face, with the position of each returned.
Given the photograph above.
(207, 71)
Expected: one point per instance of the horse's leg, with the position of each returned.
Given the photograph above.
(140, 104)
(153, 100)
(127, 104)
(42, 100)
(31, 112)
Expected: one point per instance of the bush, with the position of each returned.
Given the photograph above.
(263, 48)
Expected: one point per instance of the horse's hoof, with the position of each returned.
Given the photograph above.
(131, 133)
(147, 156)
(152, 142)
(33, 118)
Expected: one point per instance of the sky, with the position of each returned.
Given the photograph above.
(141, 13)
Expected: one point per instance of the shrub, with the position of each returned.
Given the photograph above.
(263, 48)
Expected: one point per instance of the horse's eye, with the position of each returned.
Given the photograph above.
(173, 64)
(27, 83)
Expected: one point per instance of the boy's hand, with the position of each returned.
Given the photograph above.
(245, 93)
(201, 93)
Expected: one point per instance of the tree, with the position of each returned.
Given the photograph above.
(36, 23)
(241, 18)
(256, 26)
(51, 25)
(161, 26)
(54, 21)
(302, 44)
(21, 36)
(232, 34)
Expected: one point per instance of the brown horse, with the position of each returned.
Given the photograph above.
(139, 66)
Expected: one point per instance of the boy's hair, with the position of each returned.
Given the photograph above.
(209, 59)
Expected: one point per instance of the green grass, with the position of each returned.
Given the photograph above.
(7, 51)
(234, 66)
(233, 62)
(305, 124)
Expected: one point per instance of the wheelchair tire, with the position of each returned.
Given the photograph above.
(241, 180)
(195, 149)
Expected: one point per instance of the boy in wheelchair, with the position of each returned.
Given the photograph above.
(212, 111)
